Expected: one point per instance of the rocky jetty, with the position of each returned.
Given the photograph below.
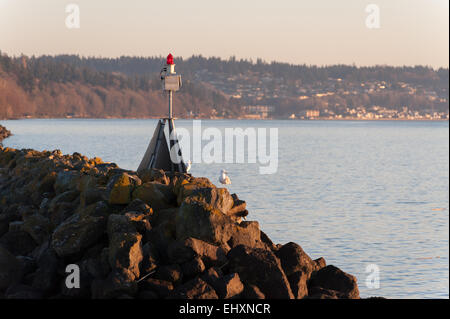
(151, 235)
(4, 133)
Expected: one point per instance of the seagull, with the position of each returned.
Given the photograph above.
(188, 166)
(224, 179)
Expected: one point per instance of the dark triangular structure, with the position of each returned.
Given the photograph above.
(157, 154)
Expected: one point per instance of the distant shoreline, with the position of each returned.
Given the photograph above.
(217, 118)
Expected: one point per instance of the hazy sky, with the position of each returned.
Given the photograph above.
(313, 32)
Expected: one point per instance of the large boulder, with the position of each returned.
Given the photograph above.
(158, 196)
(200, 220)
(120, 188)
(183, 251)
(218, 198)
(294, 259)
(246, 233)
(77, 233)
(260, 267)
(125, 247)
(332, 278)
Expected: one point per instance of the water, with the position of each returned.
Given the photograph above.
(356, 193)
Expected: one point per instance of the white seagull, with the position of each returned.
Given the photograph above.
(223, 178)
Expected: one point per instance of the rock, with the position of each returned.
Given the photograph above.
(115, 285)
(211, 275)
(150, 258)
(252, 292)
(218, 198)
(194, 289)
(193, 267)
(15, 226)
(125, 252)
(18, 242)
(38, 227)
(238, 211)
(161, 287)
(76, 234)
(138, 206)
(171, 273)
(199, 220)
(332, 278)
(294, 259)
(47, 275)
(261, 268)
(27, 265)
(158, 196)
(247, 233)
(181, 252)
(321, 293)
(66, 181)
(229, 286)
(92, 195)
(120, 188)
(9, 269)
(320, 263)
(154, 175)
(8, 216)
(298, 283)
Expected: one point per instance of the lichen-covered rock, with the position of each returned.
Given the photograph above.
(77, 233)
(158, 196)
(120, 188)
(125, 246)
(199, 220)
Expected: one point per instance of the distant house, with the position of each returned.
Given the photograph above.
(311, 114)
(257, 111)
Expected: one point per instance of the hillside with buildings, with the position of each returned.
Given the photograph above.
(73, 86)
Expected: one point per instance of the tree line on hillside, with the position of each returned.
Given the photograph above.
(419, 75)
(47, 87)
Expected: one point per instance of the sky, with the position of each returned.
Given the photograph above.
(318, 32)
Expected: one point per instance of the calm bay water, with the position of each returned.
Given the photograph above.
(356, 193)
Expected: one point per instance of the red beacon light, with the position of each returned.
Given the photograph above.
(169, 59)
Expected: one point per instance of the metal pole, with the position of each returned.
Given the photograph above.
(170, 104)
